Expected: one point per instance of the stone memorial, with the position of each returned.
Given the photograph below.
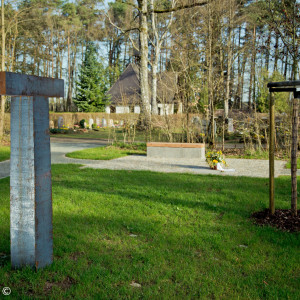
(104, 123)
(30, 167)
(98, 122)
(91, 122)
(196, 121)
(51, 124)
(230, 125)
(110, 123)
(60, 122)
(122, 123)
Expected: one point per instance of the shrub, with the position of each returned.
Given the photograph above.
(81, 123)
(132, 146)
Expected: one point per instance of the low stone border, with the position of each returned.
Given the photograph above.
(176, 150)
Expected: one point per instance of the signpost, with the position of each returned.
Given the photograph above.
(30, 171)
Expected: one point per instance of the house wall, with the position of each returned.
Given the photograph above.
(180, 108)
(107, 109)
(165, 109)
(137, 109)
(122, 109)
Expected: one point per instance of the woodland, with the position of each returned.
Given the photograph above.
(224, 52)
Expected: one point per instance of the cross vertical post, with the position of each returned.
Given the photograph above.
(30, 171)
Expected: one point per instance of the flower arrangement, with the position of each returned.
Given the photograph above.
(64, 128)
(213, 158)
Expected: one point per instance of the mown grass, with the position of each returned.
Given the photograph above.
(4, 153)
(288, 165)
(257, 154)
(251, 154)
(180, 236)
(116, 134)
(109, 152)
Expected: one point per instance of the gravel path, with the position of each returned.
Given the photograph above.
(59, 147)
(242, 167)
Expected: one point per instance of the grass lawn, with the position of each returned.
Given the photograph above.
(4, 153)
(288, 165)
(109, 152)
(247, 154)
(179, 236)
(106, 134)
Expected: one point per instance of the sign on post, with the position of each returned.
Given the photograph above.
(30, 167)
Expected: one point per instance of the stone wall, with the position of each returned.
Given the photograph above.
(74, 118)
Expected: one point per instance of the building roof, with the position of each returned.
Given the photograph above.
(126, 90)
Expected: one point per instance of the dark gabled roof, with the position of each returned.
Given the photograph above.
(126, 90)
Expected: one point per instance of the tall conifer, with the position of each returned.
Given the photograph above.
(91, 86)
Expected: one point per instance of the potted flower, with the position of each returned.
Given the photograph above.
(215, 159)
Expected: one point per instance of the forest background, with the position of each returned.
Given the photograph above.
(223, 51)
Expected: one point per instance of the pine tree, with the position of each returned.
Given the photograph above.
(91, 86)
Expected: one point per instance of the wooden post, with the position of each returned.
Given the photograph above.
(271, 155)
(285, 86)
(294, 154)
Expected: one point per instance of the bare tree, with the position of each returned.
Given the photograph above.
(157, 44)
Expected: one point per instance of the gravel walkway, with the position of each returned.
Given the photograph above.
(242, 167)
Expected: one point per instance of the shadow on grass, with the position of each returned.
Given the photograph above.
(207, 191)
(226, 201)
(193, 167)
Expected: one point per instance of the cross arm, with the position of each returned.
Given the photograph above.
(14, 84)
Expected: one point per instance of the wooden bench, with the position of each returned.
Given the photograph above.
(176, 150)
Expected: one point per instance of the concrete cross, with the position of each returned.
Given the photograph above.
(30, 167)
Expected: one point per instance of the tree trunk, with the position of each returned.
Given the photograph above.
(229, 63)
(252, 72)
(268, 44)
(276, 53)
(286, 63)
(145, 117)
(71, 79)
(242, 80)
(210, 87)
(52, 53)
(154, 109)
(12, 59)
(3, 98)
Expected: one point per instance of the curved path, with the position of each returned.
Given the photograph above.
(59, 148)
(242, 167)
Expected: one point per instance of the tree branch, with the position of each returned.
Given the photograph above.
(123, 31)
(129, 3)
(172, 9)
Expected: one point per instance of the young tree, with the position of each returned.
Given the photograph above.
(92, 84)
